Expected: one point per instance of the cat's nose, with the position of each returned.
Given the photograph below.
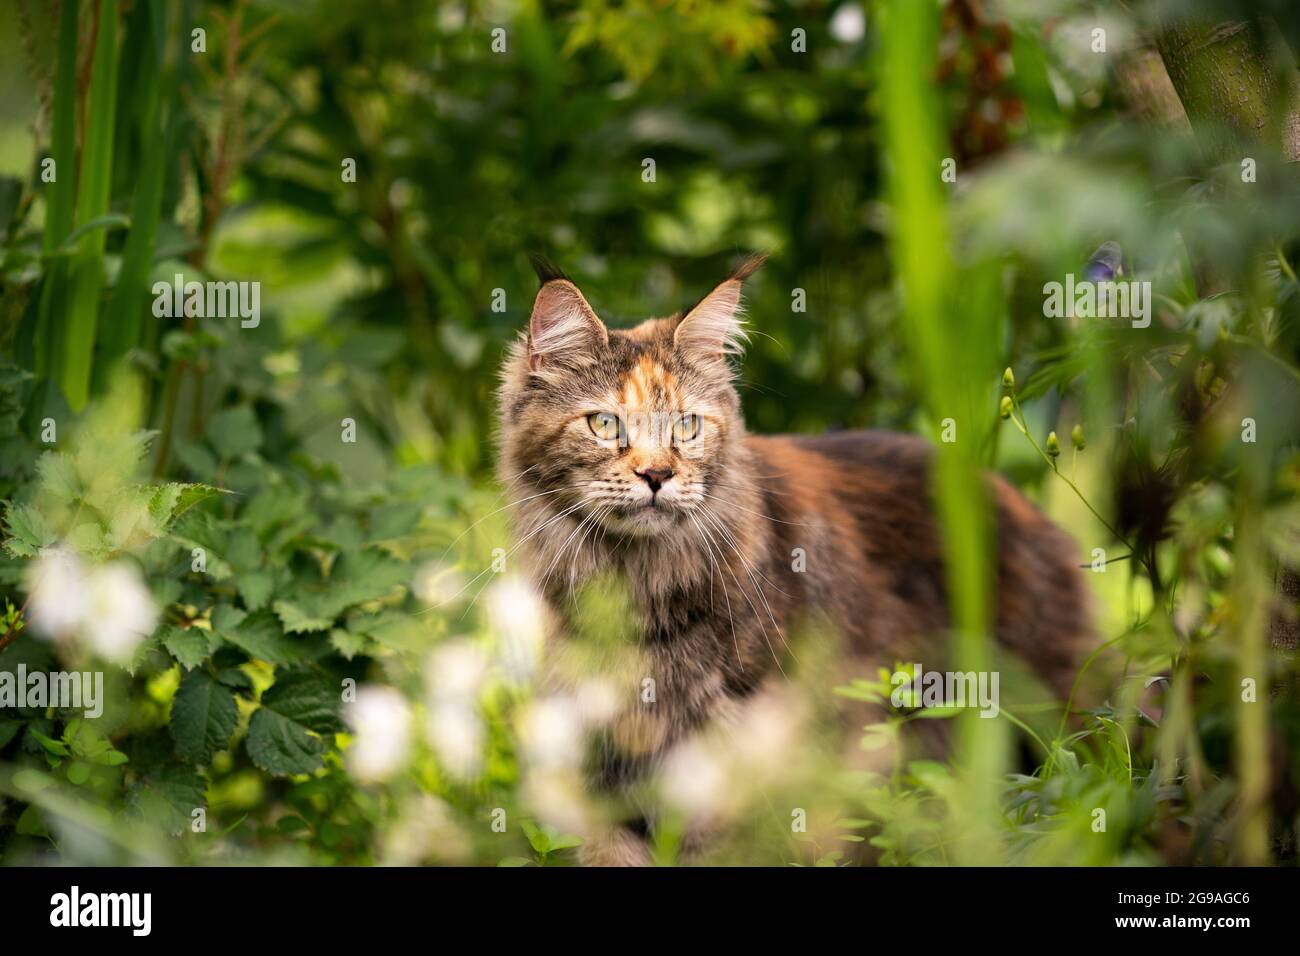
(655, 477)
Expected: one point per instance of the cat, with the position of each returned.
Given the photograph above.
(627, 453)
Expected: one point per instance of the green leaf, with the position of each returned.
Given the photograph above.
(90, 744)
(255, 588)
(537, 838)
(235, 432)
(347, 643)
(12, 379)
(56, 747)
(28, 531)
(191, 646)
(200, 529)
(257, 635)
(107, 222)
(283, 734)
(168, 797)
(298, 620)
(203, 717)
(354, 579)
(57, 475)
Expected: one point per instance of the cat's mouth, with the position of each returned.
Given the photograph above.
(643, 517)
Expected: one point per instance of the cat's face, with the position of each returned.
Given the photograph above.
(628, 428)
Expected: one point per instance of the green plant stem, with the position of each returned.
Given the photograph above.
(1020, 423)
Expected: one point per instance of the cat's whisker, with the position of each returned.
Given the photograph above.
(532, 534)
(729, 504)
(518, 545)
(736, 545)
(754, 608)
(591, 533)
(563, 547)
(506, 507)
(731, 542)
(725, 593)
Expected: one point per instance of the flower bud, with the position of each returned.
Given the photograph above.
(1053, 445)
(1008, 378)
(1076, 436)
(1004, 407)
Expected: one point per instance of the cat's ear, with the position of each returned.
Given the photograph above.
(564, 330)
(714, 328)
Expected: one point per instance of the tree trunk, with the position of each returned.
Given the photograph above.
(1225, 76)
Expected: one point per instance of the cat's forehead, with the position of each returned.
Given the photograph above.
(648, 383)
(647, 373)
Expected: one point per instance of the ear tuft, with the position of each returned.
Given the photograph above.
(748, 266)
(714, 327)
(563, 330)
(547, 271)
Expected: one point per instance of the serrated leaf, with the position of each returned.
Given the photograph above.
(255, 588)
(258, 635)
(199, 529)
(284, 733)
(192, 494)
(347, 643)
(163, 502)
(234, 677)
(89, 539)
(191, 646)
(58, 477)
(297, 620)
(167, 797)
(354, 579)
(203, 717)
(28, 531)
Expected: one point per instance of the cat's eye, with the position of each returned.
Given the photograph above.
(604, 425)
(686, 427)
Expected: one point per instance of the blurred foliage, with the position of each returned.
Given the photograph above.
(386, 302)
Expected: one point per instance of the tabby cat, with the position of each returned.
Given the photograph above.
(626, 453)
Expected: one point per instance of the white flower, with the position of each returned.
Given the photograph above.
(559, 799)
(455, 671)
(120, 612)
(108, 608)
(380, 720)
(455, 731)
(424, 831)
(551, 731)
(849, 24)
(454, 675)
(694, 780)
(56, 605)
(518, 618)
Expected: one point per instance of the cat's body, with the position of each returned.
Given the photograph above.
(759, 534)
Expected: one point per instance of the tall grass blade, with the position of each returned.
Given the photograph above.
(77, 343)
(124, 316)
(61, 194)
(953, 347)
